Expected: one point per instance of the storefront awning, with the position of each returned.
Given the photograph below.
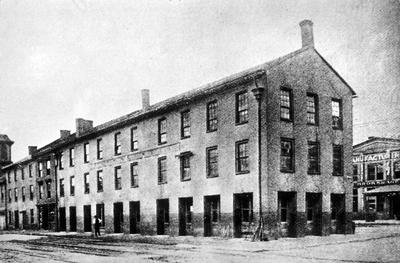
(386, 189)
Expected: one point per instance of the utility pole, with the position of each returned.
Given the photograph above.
(258, 92)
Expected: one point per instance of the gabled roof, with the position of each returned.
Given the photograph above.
(183, 99)
(374, 139)
(4, 138)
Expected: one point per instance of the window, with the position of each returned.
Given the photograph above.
(212, 116)
(9, 177)
(99, 149)
(375, 171)
(117, 143)
(2, 193)
(61, 187)
(61, 161)
(134, 139)
(185, 124)
(337, 160)
(15, 175)
(396, 170)
(162, 170)
(287, 155)
(212, 161)
(215, 209)
(31, 192)
(40, 168)
(41, 190)
(72, 185)
(355, 200)
(86, 152)
(30, 170)
(313, 158)
(242, 106)
(336, 114)
(100, 181)
(162, 130)
(48, 167)
(117, 178)
(134, 175)
(380, 203)
(32, 216)
(312, 109)
(286, 104)
(71, 157)
(242, 157)
(86, 183)
(23, 193)
(9, 195)
(244, 207)
(22, 174)
(185, 166)
(16, 194)
(48, 187)
(284, 209)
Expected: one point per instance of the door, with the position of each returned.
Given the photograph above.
(118, 217)
(185, 216)
(24, 220)
(134, 217)
(243, 213)
(287, 211)
(87, 218)
(72, 218)
(314, 213)
(16, 219)
(338, 214)
(396, 206)
(63, 223)
(162, 216)
(211, 214)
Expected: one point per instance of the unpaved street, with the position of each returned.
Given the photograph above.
(369, 244)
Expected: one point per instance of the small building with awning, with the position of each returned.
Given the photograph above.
(376, 177)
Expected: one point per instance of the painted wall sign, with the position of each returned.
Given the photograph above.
(376, 183)
(376, 157)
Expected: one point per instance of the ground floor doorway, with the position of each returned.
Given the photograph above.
(314, 213)
(87, 218)
(338, 213)
(162, 216)
(211, 214)
(134, 217)
(118, 217)
(72, 218)
(243, 213)
(185, 216)
(287, 213)
(62, 219)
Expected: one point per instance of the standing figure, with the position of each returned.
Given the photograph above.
(96, 223)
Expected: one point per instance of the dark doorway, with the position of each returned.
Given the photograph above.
(314, 213)
(87, 218)
(134, 217)
(185, 216)
(211, 214)
(63, 220)
(394, 206)
(16, 219)
(43, 216)
(338, 214)
(24, 220)
(162, 216)
(72, 218)
(100, 214)
(287, 212)
(243, 213)
(118, 217)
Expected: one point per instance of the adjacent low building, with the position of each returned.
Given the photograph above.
(269, 148)
(376, 172)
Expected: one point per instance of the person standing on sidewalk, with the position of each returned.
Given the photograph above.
(96, 223)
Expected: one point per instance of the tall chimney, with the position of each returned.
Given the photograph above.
(83, 126)
(145, 99)
(32, 150)
(307, 35)
(64, 133)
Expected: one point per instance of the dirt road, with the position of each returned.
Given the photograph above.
(373, 244)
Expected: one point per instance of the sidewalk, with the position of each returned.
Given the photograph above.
(377, 223)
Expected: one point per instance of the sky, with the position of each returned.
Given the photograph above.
(67, 59)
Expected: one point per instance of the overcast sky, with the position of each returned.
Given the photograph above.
(60, 60)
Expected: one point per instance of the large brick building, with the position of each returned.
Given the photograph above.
(275, 139)
(5, 159)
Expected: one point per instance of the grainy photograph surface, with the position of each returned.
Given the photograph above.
(200, 131)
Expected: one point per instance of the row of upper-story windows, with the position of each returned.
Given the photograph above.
(22, 172)
(287, 157)
(377, 171)
(15, 190)
(242, 116)
(286, 108)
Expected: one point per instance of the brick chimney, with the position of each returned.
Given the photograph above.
(82, 126)
(307, 35)
(32, 150)
(145, 99)
(64, 133)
